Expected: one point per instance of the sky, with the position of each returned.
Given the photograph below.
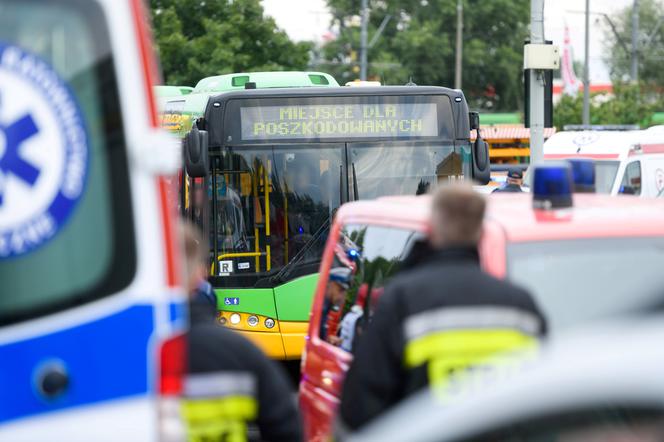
(310, 19)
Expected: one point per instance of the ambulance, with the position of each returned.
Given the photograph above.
(584, 257)
(92, 313)
(626, 161)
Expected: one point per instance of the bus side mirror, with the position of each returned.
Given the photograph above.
(481, 163)
(474, 120)
(196, 158)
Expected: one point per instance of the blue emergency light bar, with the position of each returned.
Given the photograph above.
(583, 174)
(552, 186)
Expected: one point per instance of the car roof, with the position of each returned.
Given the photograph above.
(623, 368)
(592, 216)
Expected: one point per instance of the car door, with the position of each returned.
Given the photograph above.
(373, 253)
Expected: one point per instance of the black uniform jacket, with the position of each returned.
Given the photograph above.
(231, 384)
(444, 316)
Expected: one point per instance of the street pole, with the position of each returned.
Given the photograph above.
(363, 39)
(536, 86)
(634, 72)
(459, 46)
(586, 69)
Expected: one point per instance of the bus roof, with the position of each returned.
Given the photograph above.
(288, 79)
(342, 92)
(172, 91)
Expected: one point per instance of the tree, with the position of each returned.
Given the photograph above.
(419, 43)
(627, 106)
(651, 44)
(212, 37)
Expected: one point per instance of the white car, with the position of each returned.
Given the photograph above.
(602, 384)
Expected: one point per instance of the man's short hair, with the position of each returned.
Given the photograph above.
(195, 249)
(458, 213)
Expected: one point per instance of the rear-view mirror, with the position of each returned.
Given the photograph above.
(196, 158)
(481, 163)
(474, 120)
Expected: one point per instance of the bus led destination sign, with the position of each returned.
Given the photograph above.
(400, 120)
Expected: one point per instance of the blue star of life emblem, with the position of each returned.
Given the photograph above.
(43, 152)
(11, 161)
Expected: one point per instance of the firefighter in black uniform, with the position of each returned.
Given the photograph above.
(230, 382)
(514, 182)
(439, 320)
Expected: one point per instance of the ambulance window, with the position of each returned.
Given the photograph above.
(631, 182)
(366, 257)
(66, 235)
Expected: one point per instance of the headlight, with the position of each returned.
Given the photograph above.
(269, 323)
(235, 319)
(252, 320)
(222, 320)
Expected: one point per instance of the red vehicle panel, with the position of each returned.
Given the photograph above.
(510, 220)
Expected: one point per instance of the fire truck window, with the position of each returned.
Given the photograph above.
(631, 182)
(368, 256)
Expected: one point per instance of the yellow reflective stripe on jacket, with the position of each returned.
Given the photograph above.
(219, 418)
(449, 353)
(230, 407)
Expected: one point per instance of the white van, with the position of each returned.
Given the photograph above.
(627, 162)
(92, 312)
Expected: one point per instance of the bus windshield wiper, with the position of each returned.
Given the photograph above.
(288, 269)
(356, 195)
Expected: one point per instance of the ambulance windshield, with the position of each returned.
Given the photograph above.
(605, 175)
(578, 280)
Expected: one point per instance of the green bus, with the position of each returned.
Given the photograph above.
(267, 169)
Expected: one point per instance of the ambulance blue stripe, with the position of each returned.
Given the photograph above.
(178, 314)
(106, 359)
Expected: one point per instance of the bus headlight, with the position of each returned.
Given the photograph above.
(269, 323)
(235, 319)
(252, 320)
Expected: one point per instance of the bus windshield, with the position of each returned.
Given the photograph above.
(298, 188)
(380, 170)
(602, 277)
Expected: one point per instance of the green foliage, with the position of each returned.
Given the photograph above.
(651, 43)
(212, 37)
(419, 43)
(628, 106)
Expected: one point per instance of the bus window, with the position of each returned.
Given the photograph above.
(272, 206)
(380, 169)
(78, 191)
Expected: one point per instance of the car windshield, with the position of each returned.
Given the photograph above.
(605, 175)
(577, 280)
(403, 169)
